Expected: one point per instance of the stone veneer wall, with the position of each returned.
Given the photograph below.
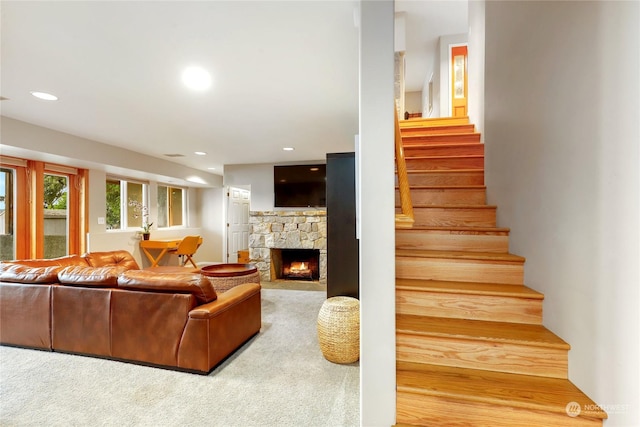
(286, 230)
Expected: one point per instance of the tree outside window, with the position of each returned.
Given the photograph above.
(170, 206)
(126, 204)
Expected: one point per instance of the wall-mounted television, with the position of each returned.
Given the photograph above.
(300, 186)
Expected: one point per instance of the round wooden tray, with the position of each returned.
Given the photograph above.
(228, 270)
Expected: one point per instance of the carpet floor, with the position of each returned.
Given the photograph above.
(278, 378)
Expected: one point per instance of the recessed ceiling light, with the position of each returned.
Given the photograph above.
(44, 95)
(196, 179)
(211, 169)
(200, 153)
(314, 169)
(196, 78)
(288, 148)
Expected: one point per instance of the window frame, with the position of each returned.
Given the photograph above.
(169, 204)
(29, 203)
(125, 205)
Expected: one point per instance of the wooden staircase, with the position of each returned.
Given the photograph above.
(471, 348)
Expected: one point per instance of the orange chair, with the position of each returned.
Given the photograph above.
(187, 248)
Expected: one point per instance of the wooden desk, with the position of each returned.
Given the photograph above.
(163, 245)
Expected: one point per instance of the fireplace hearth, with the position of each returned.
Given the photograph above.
(295, 264)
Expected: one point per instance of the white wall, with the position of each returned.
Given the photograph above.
(259, 179)
(212, 223)
(22, 139)
(413, 102)
(562, 160)
(476, 64)
(433, 76)
(377, 217)
(28, 141)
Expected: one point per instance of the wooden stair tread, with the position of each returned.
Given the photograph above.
(436, 135)
(413, 171)
(422, 206)
(417, 145)
(480, 256)
(461, 229)
(455, 156)
(503, 332)
(433, 121)
(468, 288)
(447, 187)
(496, 388)
(446, 127)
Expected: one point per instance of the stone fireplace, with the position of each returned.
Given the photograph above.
(279, 239)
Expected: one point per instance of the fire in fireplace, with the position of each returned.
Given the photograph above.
(295, 264)
(298, 270)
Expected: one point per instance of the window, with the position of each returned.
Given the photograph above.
(171, 206)
(42, 206)
(56, 215)
(7, 247)
(127, 205)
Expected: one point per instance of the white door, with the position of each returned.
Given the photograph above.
(238, 227)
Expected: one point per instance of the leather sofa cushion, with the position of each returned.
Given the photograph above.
(100, 277)
(28, 274)
(120, 258)
(191, 283)
(60, 262)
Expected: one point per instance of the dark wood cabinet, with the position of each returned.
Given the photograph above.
(342, 245)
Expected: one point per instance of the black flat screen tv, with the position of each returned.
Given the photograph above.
(300, 186)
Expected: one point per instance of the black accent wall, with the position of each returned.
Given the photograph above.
(342, 245)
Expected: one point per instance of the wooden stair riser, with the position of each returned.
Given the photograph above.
(462, 270)
(496, 356)
(446, 163)
(451, 138)
(444, 150)
(445, 177)
(453, 240)
(469, 306)
(446, 196)
(424, 130)
(454, 216)
(431, 122)
(437, 411)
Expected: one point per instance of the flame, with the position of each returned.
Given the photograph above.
(298, 266)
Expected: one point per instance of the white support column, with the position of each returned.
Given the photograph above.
(377, 216)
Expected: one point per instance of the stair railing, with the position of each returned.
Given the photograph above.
(404, 219)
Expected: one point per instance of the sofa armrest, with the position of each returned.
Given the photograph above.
(225, 300)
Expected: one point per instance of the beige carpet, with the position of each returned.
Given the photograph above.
(279, 378)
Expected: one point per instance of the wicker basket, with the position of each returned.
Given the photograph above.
(226, 276)
(339, 329)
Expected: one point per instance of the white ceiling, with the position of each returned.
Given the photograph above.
(285, 73)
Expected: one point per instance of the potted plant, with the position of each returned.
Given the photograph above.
(146, 230)
(140, 210)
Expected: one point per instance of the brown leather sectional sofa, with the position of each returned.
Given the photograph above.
(101, 304)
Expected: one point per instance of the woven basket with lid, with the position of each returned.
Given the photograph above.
(339, 329)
